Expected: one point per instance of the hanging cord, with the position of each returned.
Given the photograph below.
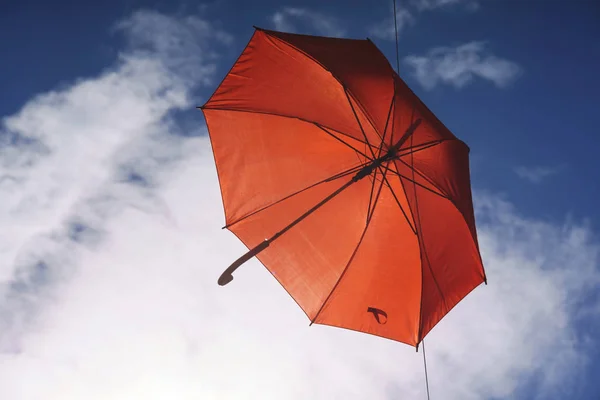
(396, 36)
(425, 365)
(398, 71)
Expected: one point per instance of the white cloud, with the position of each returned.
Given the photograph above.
(286, 20)
(460, 65)
(181, 44)
(129, 307)
(386, 29)
(65, 153)
(536, 174)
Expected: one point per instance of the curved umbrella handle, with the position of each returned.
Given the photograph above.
(227, 276)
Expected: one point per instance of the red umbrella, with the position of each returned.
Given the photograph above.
(344, 185)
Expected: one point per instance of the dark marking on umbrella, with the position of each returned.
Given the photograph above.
(380, 315)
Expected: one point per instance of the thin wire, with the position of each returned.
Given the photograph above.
(396, 36)
(425, 364)
(411, 154)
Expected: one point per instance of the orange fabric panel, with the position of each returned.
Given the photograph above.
(358, 64)
(370, 135)
(447, 166)
(272, 77)
(451, 265)
(385, 274)
(408, 108)
(404, 169)
(294, 111)
(397, 191)
(263, 158)
(308, 259)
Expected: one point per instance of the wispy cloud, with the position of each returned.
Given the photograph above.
(181, 44)
(407, 13)
(427, 5)
(460, 65)
(289, 18)
(386, 29)
(69, 157)
(537, 174)
(108, 283)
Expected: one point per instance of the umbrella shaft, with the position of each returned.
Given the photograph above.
(227, 276)
(318, 205)
(365, 171)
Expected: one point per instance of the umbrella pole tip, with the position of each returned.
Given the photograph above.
(225, 279)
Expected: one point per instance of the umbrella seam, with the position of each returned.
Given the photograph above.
(421, 241)
(418, 184)
(422, 175)
(359, 124)
(414, 229)
(339, 175)
(338, 79)
(368, 223)
(292, 117)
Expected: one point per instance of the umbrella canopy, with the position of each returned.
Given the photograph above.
(344, 185)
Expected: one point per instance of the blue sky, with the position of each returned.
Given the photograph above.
(516, 80)
(543, 122)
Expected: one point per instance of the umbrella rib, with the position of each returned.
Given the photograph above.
(365, 171)
(359, 124)
(394, 114)
(371, 212)
(418, 184)
(329, 179)
(387, 121)
(371, 193)
(379, 154)
(422, 245)
(310, 57)
(427, 146)
(422, 175)
(362, 236)
(286, 116)
(337, 138)
(422, 146)
(414, 229)
(367, 224)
